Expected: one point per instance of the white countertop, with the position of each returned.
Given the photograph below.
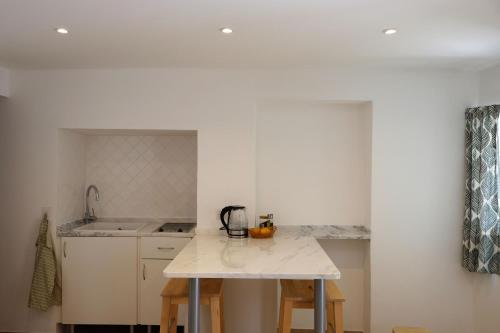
(148, 229)
(347, 232)
(281, 257)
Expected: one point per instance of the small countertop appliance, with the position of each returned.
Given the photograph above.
(236, 224)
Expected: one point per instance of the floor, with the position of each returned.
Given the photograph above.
(312, 331)
(118, 329)
(141, 329)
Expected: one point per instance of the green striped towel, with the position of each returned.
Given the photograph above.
(45, 288)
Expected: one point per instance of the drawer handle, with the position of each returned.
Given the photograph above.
(144, 271)
(64, 249)
(165, 248)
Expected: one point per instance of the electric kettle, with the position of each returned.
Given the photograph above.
(236, 224)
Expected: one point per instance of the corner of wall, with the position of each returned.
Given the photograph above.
(71, 175)
(4, 82)
(487, 286)
(488, 88)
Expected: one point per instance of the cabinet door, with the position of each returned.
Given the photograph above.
(151, 284)
(99, 280)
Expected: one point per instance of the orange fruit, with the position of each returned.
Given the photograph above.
(255, 231)
(265, 231)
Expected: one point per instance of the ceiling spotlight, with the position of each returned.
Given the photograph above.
(389, 31)
(62, 31)
(226, 31)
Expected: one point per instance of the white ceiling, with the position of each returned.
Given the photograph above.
(267, 33)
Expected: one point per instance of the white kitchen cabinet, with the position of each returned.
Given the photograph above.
(99, 280)
(156, 253)
(151, 284)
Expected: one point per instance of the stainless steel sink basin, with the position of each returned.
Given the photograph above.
(111, 227)
(176, 228)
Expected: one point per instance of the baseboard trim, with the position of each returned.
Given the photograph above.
(312, 331)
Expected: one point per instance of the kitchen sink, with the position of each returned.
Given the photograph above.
(114, 227)
(177, 227)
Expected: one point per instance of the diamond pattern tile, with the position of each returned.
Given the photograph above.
(143, 176)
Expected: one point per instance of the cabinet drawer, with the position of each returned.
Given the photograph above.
(162, 247)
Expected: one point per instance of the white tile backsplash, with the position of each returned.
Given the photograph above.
(143, 176)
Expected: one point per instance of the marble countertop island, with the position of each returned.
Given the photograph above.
(281, 257)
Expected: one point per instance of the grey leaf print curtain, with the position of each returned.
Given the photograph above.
(481, 244)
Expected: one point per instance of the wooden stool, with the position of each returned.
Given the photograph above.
(176, 292)
(409, 330)
(299, 294)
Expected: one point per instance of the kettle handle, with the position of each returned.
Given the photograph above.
(222, 213)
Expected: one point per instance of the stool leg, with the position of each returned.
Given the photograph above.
(282, 311)
(194, 305)
(287, 317)
(215, 314)
(319, 306)
(222, 313)
(330, 316)
(339, 317)
(165, 315)
(172, 322)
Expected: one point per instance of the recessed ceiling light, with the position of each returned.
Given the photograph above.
(62, 31)
(389, 31)
(226, 31)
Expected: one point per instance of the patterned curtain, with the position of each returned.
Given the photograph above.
(481, 242)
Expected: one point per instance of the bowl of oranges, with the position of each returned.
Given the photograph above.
(262, 232)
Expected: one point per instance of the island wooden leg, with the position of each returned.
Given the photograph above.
(194, 305)
(319, 306)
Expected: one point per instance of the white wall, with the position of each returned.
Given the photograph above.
(487, 286)
(417, 168)
(313, 167)
(313, 162)
(489, 86)
(4, 82)
(71, 176)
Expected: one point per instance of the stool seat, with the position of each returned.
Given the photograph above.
(299, 294)
(179, 289)
(410, 330)
(303, 291)
(176, 292)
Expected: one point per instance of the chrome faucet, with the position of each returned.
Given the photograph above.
(90, 217)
